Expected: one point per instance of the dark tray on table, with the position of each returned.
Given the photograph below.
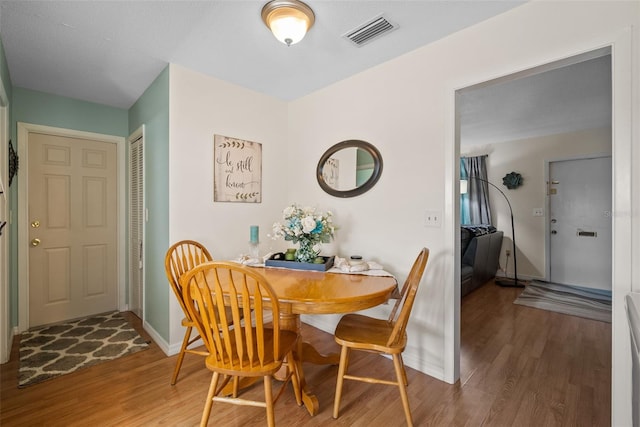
(328, 263)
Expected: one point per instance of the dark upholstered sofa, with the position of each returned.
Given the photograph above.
(480, 246)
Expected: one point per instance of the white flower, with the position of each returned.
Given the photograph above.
(277, 230)
(308, 224)
(289, 211)
(304, 224)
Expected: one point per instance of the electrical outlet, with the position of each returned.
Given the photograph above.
(432, 219)
(538, 212)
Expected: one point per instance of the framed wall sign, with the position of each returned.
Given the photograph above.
(237, 170)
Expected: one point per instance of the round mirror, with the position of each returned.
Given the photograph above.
(349, 168)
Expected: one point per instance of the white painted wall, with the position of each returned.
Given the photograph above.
(406, 108)
(527, 157)
(201, 106)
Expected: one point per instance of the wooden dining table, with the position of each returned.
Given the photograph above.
(316, 292)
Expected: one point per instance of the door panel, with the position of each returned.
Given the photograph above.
(580, 215)
(73, 233)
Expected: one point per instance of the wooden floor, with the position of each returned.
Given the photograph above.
(519, 367)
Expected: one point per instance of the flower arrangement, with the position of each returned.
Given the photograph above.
(306, 227)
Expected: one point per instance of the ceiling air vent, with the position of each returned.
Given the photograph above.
(368, 31)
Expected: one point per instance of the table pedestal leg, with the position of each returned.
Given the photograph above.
(311, 355)
(291, 322)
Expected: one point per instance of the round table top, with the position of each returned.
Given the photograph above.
(317, 292)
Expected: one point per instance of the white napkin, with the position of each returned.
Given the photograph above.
(248, 261)
(371, 268)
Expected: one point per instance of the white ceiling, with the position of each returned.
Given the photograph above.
(570, 95)
(109, 52)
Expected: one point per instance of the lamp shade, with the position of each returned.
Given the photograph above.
(288, 20)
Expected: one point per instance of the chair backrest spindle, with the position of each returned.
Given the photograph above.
(401, 311)
(180, 258)
(218, 296)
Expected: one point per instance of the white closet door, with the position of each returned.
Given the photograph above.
(136, 227)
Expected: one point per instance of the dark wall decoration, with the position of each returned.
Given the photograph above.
(512, 180)
(13, 163)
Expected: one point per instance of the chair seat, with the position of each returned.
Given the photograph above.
(358, 331)
(269, 365)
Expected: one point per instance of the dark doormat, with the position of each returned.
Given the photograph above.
(54, 350)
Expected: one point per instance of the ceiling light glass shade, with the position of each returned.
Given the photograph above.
(288, 20)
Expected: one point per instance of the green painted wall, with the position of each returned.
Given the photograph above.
(11, 196)
(4, 72)
(152, 110)
(51, 110)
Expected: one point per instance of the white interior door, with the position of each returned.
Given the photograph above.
(72, 228)
(580, 222)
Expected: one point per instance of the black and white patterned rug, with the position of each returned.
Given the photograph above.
(55, 350)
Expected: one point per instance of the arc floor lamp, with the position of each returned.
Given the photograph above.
(505, 282)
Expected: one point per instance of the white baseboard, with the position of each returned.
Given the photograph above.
(411, 357)
(175, 347)
(324, 322)
(164, 346)
(413, 360)
(7, 355)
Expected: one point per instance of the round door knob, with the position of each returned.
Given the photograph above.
(35, 242)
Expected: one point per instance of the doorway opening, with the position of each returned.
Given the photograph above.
(519, 122)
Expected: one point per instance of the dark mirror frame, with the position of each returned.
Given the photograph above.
(375, 175)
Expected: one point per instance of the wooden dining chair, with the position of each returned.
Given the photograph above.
(180, 258)
(383, 336)
(242, 344)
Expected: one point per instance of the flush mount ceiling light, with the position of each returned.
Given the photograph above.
(288, 20)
